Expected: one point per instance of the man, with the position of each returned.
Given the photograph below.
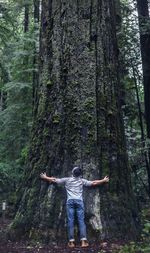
(74, 187)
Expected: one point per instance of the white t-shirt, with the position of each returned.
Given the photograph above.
(74, 186)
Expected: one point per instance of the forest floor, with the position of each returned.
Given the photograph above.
(7, 246)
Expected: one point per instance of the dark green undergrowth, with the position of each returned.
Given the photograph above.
(143, 245)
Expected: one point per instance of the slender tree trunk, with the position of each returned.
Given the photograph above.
(36, 55)
(78, 122)
(143, 13)
(142, 6)
(3, 98)
(36, 4)
(142, 130)
(26, 17)
(3, 94)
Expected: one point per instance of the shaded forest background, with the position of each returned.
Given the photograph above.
(87, 103)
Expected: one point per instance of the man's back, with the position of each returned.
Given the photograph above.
(74, 186)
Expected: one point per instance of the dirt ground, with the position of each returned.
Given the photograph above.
(27, 247)
(20, 247)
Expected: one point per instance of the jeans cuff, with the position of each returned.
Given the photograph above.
(71, 240)
(83, 239)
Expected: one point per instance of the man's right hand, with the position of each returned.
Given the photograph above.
(106, 179)
(99, 182)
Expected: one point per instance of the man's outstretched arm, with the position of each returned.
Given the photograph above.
(49, 179)
(102, 181)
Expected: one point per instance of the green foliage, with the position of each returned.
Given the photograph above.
(131, 248)
(16, 105)
(143, 244)
(133, 96)
(16, 83)
(146, 226)
(9, 176)
(135, 247)
(5, 170)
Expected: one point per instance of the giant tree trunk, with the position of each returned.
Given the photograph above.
(78, 122)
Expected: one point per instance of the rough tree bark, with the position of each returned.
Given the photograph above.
(78, 122)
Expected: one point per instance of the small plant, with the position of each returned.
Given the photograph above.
(143, 245)
(131, 248)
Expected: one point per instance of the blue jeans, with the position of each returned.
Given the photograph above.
(76, 206)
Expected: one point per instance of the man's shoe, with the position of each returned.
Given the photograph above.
(84, 244)
(71, 244)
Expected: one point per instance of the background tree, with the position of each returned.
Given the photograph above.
(144, 27)
(17, 53)
(133, 99)
(36, 53)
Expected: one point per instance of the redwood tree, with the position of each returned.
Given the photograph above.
(78, 122)
(144, 19)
